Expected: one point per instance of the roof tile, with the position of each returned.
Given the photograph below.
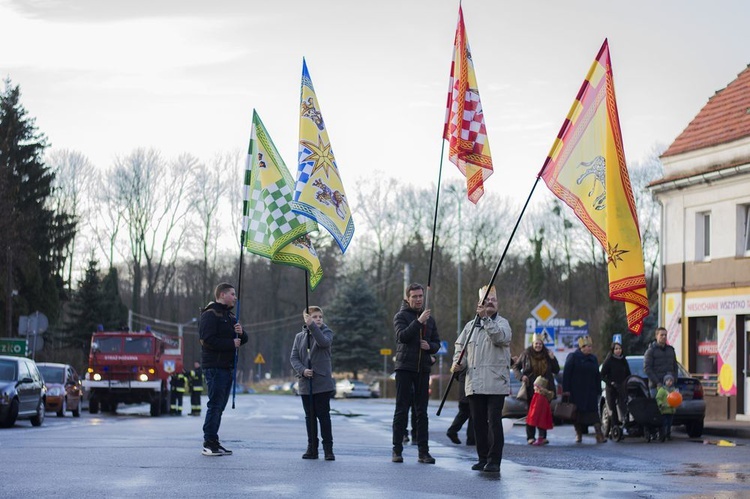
(724, 118)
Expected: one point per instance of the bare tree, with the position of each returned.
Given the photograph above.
(165, 231)
(383, 228)
(135, 178)
(649, 215)
(210, 187)
(74, 176)
(107, 220)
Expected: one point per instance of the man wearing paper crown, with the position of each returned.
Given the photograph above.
(487, 365)
(582, 383)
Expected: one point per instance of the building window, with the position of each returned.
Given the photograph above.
(703, 236)
(706, 345)
(743, 230)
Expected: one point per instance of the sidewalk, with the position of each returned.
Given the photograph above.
(726, 428)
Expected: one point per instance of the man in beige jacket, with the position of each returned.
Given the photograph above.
(487, 363)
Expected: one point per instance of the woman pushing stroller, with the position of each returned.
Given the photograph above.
(615, 370)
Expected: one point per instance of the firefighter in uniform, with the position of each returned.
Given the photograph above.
(178, 383)
(195, 376)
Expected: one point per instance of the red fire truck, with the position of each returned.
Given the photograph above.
(131, 368)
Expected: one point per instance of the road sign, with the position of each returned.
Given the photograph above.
(35, 323)
(543, 312)
(13, 346)
(530, 325)
(386, 351)
(443, 348)
(548, 335)
(568, 336)
(259, 359)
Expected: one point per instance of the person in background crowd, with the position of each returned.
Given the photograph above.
(311, 360)
(659, 360)
(416, 340)
(487, 365)
(615, 370)
(582, 382)
(178, 384)
(463, 415)
(667, 411)
(540, 412)
(535, 361)
(195, 378)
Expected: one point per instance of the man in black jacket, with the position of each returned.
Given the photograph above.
(416, 339)
(659, 360)
(221, 335)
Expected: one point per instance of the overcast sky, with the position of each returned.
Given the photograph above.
(105, 77)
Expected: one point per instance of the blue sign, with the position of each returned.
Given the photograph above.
(617, 338)
(568, 336)
(443, 348)
(547, 334)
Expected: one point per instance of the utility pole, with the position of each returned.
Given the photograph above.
(11, 294)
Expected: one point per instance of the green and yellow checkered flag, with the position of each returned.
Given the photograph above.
(269, 226)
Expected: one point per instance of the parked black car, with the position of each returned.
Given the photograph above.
(690, 413)
(22, 391)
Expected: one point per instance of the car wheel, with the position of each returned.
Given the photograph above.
(93, 406)
(10, 420)
(63, 408)
(39, 418)
(694, 429)
(605, 419)
(616, 433)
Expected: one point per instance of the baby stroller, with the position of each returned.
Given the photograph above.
(642, 417)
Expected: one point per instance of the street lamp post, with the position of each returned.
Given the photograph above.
(453, 190)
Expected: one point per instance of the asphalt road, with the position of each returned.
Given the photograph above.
(133, 455)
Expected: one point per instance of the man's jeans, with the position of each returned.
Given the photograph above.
(219, 383)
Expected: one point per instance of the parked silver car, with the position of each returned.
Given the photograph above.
(350, 388)
(22, 391)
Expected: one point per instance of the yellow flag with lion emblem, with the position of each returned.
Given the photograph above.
(586, 169)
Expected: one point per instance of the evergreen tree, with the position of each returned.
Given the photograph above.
(84, 310)
(114, 313)
(535, 267)
(33, 235)
(356, 320)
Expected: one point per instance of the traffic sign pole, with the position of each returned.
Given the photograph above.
(385, 352)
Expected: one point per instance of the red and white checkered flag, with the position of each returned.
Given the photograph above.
(464, 129)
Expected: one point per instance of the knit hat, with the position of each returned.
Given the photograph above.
(541, 382)
(668, 376)
(583, 341)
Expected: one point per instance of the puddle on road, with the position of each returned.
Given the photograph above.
(718, 472)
